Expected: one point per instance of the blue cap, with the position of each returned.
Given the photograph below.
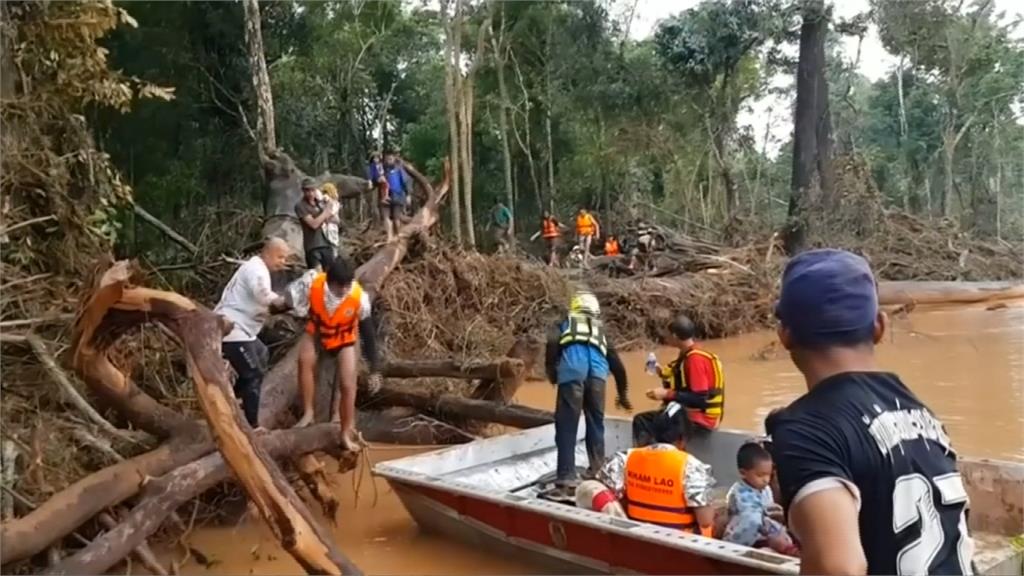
(828, 297)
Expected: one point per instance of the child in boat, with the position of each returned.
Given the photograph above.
(754, 517)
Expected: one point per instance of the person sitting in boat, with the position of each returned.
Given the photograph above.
(694, 379)
(662, 483)
(754, 517)
(578, 360)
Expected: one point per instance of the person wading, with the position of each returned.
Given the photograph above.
(314, 214)
(867, 473)
(664, 484)
(339, 315)
(246, 302)
(578, 359)
(587, 229)
(694, 379)
(551, 231)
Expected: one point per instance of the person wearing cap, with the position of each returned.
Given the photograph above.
(866, 471)
(314, 214)
(578, 360)
(394, 186)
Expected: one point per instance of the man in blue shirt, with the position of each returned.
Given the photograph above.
(579, 358)
(394, 185)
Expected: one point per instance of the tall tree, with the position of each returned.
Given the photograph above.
(811, 182)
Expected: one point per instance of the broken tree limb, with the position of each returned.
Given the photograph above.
(200, 331)
(924, 292)
(500, 369)
(163, 495)
(143, 552)
(279, 386)
(67, 388)
(502, 389)
(65, 511)
(448, 406)
(167, 230)
(95, 331)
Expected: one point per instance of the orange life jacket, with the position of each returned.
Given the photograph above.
(585, 225)
(655, 489)
(611, 248)
(549, 228)
(341, 328)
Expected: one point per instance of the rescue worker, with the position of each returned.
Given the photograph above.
(611, 246)
(578, 360)
(694, 379)
(661, 483)
(587, 229)
(339, 314)
(551, 231)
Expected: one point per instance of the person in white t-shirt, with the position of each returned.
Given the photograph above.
(246, 302)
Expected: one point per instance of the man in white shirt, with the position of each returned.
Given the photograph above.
(246, 302)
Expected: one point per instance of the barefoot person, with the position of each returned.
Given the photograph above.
(867, 473)
(246, 302)
(339, 316)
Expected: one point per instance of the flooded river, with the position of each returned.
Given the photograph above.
(966, 363)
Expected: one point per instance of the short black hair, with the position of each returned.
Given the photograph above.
(750, 454)
(682, 327)
(340, 272)
(672, 425)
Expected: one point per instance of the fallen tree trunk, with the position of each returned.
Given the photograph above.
(163, 495)
(447, 406)
(64, 512)
(200, 331)
(500, 369)
(928, 292)
(502, 389)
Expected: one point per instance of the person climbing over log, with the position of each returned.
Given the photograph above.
(393, 185)
(694, 379)
(587, 229)
(246, 301)
(867, 473)
(340, 314)
(314, 215)
(551, 231)
(578, 360)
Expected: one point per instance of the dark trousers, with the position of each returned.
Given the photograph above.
(644, 430)
(249, 360)
(323, 256)
(573, 398)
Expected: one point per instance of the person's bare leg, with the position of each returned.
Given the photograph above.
(307, 378)
(347, 374)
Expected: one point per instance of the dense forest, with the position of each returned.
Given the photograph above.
(172, 134)
(557, 105)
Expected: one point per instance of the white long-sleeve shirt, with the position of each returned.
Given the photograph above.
(246, 300)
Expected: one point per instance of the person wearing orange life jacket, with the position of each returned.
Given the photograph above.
(611, 246)
(587, 229)
(694, 379)
(551, 231)
(339, 316)
(661, 483)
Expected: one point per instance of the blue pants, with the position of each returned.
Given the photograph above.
(249, 359)
(575, 397)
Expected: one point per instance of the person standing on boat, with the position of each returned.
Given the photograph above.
(694, 379)
(867, 473)
(579, 359)
(662, 483)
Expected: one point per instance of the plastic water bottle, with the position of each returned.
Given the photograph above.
(652, 363)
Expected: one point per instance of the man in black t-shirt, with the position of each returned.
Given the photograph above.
(866, 471)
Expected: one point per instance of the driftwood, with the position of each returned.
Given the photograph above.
(200, 331)
(501, 369)
(447, 406)
(914, 292)
(163, 495)
(502, 388)
(143, 552)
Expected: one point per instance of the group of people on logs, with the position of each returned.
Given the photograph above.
(857, 476)
(640, 241)
(863, 469)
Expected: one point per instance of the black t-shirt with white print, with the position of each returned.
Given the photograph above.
(869, 432)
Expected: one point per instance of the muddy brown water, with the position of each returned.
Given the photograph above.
(966, 363)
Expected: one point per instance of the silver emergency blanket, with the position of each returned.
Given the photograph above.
(698, 479)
